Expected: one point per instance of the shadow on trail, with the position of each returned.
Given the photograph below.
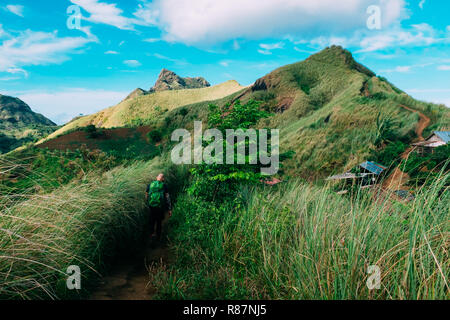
(128, 279)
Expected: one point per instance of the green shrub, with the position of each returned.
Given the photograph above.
(155, 136)
(390, 155)
(93, 132)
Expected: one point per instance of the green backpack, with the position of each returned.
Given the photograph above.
(156, 194)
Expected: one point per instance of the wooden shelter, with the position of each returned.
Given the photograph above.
(437, 139)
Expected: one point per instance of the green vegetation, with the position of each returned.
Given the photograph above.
(41, 171)
(231, 236)
(425, 168)
(84, 223)
(155, 136)
(301, 242)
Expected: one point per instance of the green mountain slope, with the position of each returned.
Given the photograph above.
(19, 124)
(326, 108)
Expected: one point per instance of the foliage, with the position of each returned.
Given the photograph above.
(41, 171)
(86, 223)
(216, 181)
(390, 155)
(155, 136)
(423, 168)
(386, 130)
(92, 132)
(296, 242)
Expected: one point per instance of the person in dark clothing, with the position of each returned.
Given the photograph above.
(158, 199)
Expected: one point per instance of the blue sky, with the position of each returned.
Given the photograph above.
(120, 45)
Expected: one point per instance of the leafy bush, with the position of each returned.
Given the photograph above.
(183, 111)
(219, 182)
(92, 131)
(390, 155)
(155, 136)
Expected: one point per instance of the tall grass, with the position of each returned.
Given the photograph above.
(82, 223)
(303, 242)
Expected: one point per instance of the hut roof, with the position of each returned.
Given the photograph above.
(349, 175)
(373, 167)
(443, 135)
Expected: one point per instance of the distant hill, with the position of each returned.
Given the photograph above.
(146, 109)
(19, 124)
(169, 80)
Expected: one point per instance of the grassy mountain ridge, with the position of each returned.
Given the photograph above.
(146, 109)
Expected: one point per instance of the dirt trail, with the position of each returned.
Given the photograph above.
(424, 122)
(129, 278)
(398, 179)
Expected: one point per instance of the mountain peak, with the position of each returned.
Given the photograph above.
(14, 112)
(19, 124)
(169, 80)
(338, 55)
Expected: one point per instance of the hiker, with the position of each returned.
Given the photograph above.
(158, 200)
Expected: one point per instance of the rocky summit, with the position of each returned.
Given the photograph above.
(169, 80)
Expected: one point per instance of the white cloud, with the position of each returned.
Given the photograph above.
(272, 46)
(304, 51)
(163, 57)
(266, 48)
(132, 63)
(419, 35)
(9, 78)
(64, 105)
(405, 69)
(364, 40)
(399, 69)
(110, 14)
(15, 9)
(111, 52)
(212, 21)
(101, 12)
(29, 48)
(265, 52)
(152, 40)
(444, 68)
